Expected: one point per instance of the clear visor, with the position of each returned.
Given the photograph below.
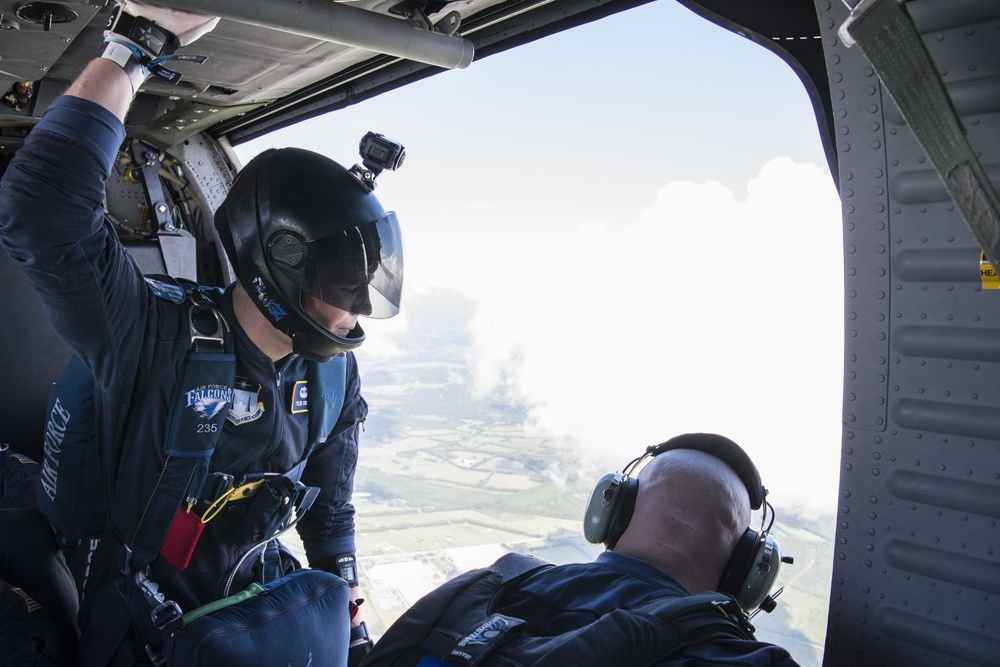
(359, 270)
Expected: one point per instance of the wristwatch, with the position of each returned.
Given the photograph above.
(347, 569)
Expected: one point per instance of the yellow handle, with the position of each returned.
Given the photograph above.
(233, 493)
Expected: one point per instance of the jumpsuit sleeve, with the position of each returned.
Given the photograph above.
(52, 225)
(327, 529)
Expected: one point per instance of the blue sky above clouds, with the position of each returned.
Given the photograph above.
(642, 211)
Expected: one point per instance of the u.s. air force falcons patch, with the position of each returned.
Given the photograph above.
(247, 406)
(208, 400)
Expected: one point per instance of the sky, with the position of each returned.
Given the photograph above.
(642, 213)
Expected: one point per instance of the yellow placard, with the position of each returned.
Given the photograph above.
(988, 274)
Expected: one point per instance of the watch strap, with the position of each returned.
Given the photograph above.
(123, 56)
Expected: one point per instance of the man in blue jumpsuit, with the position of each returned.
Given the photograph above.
(690, 514)
(282, 316)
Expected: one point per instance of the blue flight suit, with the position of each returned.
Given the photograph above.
(52, 224)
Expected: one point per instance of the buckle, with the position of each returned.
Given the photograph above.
(155, 657)
(209, 486)
(844, 32)
(208, 328)
(167, 616)
(150, 589)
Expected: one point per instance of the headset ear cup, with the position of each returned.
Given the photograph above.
(609, 509)
(752, 569)
(739, 563)
(623, 507)
(600, 508)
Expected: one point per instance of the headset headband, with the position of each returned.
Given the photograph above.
(722, 448)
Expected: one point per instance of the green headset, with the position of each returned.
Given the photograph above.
(753, 567)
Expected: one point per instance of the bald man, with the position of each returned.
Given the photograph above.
(691, 510)
(689, 515)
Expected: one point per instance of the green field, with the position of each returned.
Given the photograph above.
(435, 503)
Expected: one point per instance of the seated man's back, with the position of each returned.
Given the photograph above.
(649, 600)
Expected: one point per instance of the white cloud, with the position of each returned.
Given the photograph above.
(709, 312)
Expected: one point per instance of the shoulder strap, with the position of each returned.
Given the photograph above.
(197, 412)
(327, 386)
(195, 421)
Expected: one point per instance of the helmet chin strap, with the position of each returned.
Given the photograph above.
(323, 345)
(309, 339)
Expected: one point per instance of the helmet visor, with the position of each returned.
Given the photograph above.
(359, 270)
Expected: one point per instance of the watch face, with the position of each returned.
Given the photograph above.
(347, 569)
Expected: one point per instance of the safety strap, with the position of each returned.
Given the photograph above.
(886, 33)
(327, 386)
(196, 419)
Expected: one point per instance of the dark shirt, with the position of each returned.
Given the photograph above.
(563, 598)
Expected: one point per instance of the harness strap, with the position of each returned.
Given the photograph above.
(196, 419)
(197, 413)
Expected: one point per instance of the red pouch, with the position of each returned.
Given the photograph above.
(183, 535)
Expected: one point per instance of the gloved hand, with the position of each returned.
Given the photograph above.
(186, 26)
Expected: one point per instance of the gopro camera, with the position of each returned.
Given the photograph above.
(378, 152)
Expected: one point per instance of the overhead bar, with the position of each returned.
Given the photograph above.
(343, 24)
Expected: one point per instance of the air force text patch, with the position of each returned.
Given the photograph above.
(208, 400)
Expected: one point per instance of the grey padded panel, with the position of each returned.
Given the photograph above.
(916, 565)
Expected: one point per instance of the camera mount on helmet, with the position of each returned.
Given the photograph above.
(377, 153)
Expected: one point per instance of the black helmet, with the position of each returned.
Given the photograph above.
(297, 225)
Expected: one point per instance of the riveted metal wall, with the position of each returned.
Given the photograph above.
(916, 576)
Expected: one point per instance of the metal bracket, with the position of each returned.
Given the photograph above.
(149, 173)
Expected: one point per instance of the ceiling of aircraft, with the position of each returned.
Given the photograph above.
(274, 64)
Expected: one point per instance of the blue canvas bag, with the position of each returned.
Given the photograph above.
(301, 619)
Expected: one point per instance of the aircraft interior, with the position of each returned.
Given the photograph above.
(906, 97)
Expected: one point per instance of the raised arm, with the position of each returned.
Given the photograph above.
(52, 218)
(105, 83)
